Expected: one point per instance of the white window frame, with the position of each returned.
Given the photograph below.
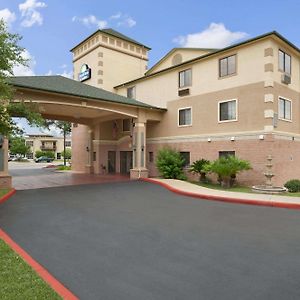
(185, 86)
(219, 66)
(236, 111)
(286, 99)
(284, 54)
(184, 108)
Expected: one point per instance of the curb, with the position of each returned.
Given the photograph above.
(40, 270)
(225, 199)
(7, 196)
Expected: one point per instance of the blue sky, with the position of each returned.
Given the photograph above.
(50, 28)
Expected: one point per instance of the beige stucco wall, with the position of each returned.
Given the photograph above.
(110, 66)
(186, 55)
(158, 90)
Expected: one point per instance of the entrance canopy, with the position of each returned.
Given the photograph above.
(62, 98)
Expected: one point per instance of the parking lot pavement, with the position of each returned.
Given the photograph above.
(136, 240)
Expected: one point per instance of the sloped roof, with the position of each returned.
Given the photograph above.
(62, 85)
(272, 33)
(113, 33)
(174, 50)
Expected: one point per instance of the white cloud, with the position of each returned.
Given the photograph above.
(127, 22)
(30, 13)
(116, 16)
(215, 36)
(7, 16)
(90, 21)
(20, 70)
(65, 73)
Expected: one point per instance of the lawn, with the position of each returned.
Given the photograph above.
(239, 189)
(3, 192)
(18, 280)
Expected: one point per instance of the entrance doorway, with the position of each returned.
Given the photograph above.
(111, 163)
(125, 162)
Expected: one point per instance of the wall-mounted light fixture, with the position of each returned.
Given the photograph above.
(232, 138)
(87, 149)
(209, 140)
(261, 137)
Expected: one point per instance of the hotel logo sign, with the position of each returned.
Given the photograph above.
(85, 73)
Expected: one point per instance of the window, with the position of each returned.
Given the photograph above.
(226, 153)
(185, 78)
(68, 143)
(285, 109)
(228, 110)
(58, 155)
(284, 62)
(185, 117)
(151, 157)
(94, 156)
(186, 157)
(126, 125)
(131, 92)
(227, 66)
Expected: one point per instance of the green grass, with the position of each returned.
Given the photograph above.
(239, 189)
(63, 168)
(3, 192)
(18, 280)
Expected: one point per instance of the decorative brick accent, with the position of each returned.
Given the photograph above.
(269, 52)
(269, 67)
(269, 98)
(268, 113)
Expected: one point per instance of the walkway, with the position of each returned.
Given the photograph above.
(34, 176)
(189, 189)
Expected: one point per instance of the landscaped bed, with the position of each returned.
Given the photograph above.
(238, 189)
(3, 192)
(18, 280)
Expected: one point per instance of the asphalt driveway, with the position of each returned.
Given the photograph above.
(136, 240)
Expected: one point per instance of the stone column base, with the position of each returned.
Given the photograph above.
(5, 181)
(138, 173)
(89, 169)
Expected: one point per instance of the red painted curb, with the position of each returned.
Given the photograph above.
(42, 272)
(7, 196)
(225, 199)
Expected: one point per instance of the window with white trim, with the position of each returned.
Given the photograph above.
(284, 62)
(185, 117)
(285, 109)
(227, 66)
(126, 125)
(131, 92)
(185, 78)
(228, 110)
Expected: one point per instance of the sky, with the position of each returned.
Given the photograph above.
(50, 28)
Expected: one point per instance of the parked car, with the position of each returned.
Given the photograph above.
(44, 159)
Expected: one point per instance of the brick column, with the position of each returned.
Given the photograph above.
(89, 150)
(5, 178)
(139, 151)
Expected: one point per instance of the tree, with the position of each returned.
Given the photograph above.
(10, 56)
(67, 154)
(170, 164)
(198, 167)
(18, 146)
(39, 153)
(65, 128)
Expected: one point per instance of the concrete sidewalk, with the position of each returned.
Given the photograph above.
(193, 190)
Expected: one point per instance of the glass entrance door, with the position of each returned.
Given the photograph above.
(125, 162)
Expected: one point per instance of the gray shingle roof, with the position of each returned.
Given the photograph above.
(114, 33)
(66, 86)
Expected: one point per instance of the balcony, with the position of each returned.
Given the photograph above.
(48, 148)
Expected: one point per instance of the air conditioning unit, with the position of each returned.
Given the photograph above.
(184, 92)
(285, 78)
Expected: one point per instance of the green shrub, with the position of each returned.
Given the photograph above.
(170, 164)
(293, 185)
(227, 168)
(198, 168)
(40, 153)
(63, 168)
(68, 154)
